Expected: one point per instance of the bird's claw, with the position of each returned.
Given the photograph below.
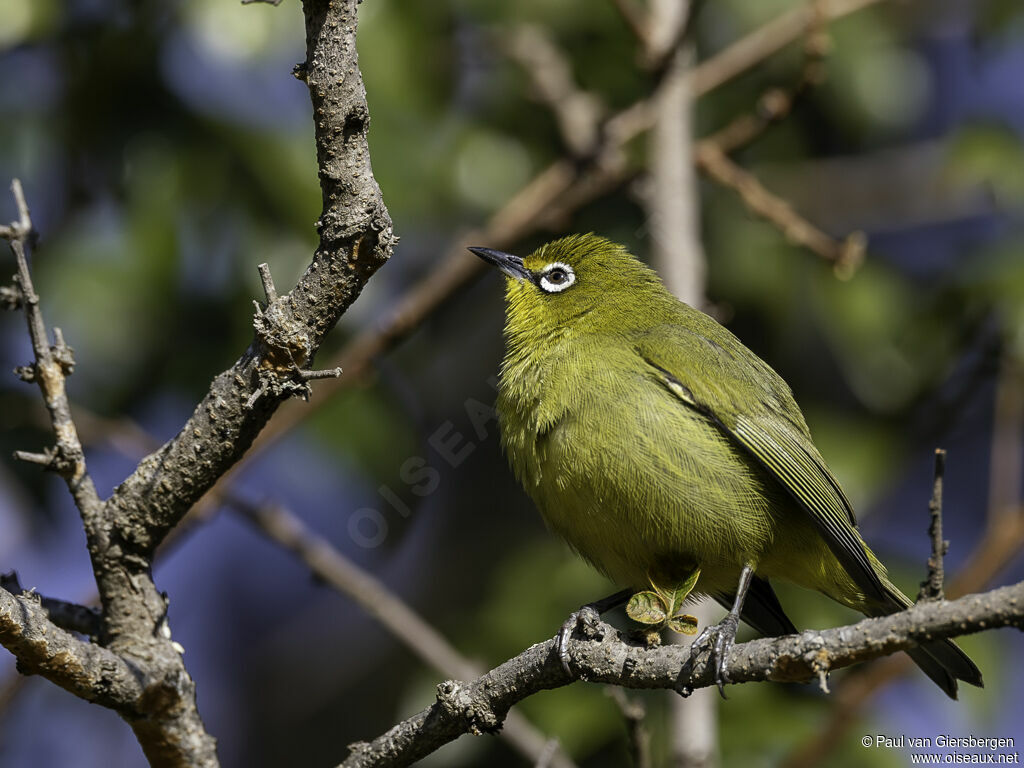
(717, 640)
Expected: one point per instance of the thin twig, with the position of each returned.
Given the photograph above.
(635, 18)
(1001, 542)
(633, 713)
(550, 749)
(51, 365)
(338, 572)
(771, 38)
(85, 620)
(844, 255)
(577, 112)
(931, 588)
(267, 279)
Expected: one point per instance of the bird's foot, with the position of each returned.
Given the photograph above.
(587, 620)
(717, 640)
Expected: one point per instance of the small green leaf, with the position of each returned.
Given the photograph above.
(687, 586)
(647, 608)
(683, 623)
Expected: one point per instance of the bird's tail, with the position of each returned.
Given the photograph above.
(942, 660)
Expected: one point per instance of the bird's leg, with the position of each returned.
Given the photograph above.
(587, 613)
(720, 637)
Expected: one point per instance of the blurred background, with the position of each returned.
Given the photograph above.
(166, 150)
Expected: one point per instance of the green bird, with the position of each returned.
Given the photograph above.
(663, 450)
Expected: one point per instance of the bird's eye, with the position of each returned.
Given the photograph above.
(556, 277)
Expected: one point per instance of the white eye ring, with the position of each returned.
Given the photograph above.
(568, 277)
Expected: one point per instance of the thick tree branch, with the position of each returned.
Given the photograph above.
(123, 533)
(608, 657)
(355, 240)
(85, 669)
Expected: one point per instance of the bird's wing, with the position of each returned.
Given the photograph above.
(714, 374)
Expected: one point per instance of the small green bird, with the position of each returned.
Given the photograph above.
(663, 450)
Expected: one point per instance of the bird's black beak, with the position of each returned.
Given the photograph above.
(506, 262)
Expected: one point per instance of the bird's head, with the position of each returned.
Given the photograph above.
(575, 282)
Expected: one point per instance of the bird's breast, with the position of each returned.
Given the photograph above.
(639, 484)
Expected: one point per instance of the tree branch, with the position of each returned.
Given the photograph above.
(771, 38)
(608, 657)
(576, 111)
(931, 588)
(51, 365)
(132, 629)
(85, 669)
(355, 240)
(845, 255)
(69, 616)
(124, 532)
(337, 571)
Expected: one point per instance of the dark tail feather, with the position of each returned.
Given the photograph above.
(762, 609)
(942, 660)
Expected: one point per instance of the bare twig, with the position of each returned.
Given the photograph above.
(52, 363)
(845, 256)
(577, 112)
(607, 657)
(1002, 540)
(337, 571)
(550, 749)
(20, 229)
(633, 713)
(84, 620)
(931, 588)
(268, 282)
(132, 632)
(635, 18)
(771, 38)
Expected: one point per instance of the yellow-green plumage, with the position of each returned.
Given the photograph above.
(654, 442)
